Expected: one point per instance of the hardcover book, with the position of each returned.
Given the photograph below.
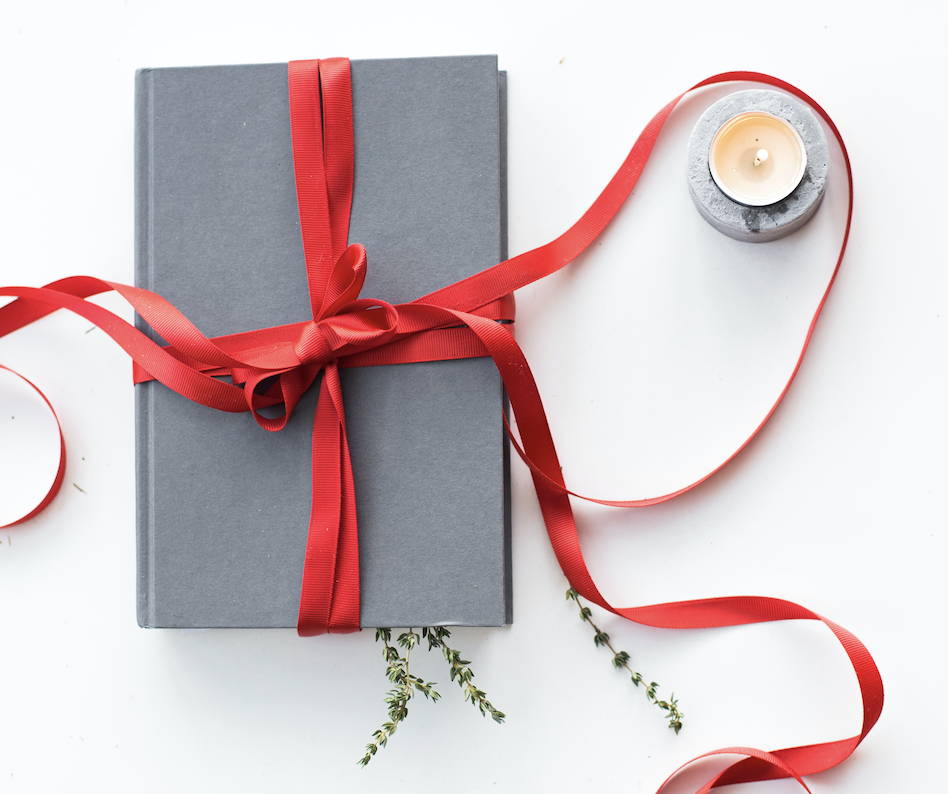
(223, 505)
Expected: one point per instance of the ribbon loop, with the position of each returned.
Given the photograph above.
(345, 281)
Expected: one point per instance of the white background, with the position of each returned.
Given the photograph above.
(839, 506)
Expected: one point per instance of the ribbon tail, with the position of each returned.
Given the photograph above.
(771, 761)
(36, 302)
(539, 451)
(329, 597)
(345, 615)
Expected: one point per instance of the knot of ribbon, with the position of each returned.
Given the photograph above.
(269, 369)
(344, 325)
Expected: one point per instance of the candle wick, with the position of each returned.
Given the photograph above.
(761, 157)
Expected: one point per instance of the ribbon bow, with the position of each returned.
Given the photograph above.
(274, 366)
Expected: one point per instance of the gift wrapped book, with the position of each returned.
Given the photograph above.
(222, 507)
(252, 180)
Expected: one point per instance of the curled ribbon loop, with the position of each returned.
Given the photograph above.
(275, 366)
(57, 482)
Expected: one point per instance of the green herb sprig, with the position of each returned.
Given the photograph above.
(398, 671)
(621, 661)
(406, 684)
(460, 671)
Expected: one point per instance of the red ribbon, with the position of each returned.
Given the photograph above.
(275, 366)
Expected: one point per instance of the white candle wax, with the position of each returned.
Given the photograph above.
(757, 158)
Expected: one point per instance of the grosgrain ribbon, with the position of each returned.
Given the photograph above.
(61, 466)
(274, 366)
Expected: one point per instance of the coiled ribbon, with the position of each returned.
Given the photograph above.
(275, 366)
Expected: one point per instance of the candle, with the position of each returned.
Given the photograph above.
(757, 164)
(757, 158)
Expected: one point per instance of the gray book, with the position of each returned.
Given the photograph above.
(223, 506)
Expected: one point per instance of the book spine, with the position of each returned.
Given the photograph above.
(144, 437)
(508, 540)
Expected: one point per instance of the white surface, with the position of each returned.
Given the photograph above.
(839, 506)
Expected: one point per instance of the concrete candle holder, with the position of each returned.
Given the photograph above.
(764, 223)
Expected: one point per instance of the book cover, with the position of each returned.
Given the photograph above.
(223, 505)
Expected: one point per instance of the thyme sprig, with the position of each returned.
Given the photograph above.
(621, 661)
(460, 671)
(406, 684)
(398, 671)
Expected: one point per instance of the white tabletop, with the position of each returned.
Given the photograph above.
(838, 506)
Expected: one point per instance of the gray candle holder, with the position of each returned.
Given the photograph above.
(770, 222)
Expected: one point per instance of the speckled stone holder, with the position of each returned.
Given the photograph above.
(758, 224)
